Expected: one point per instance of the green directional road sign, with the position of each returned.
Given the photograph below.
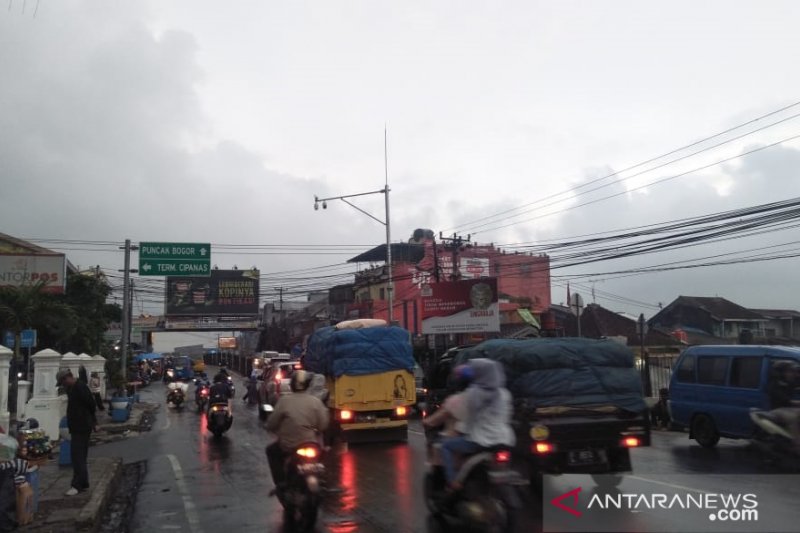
(174, 259)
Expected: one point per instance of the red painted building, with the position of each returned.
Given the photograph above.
(523, 280)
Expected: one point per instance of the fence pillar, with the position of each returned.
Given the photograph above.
(5, 364)
(99, 365)
(47, 406)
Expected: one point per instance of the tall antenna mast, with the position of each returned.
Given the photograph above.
(388, 224)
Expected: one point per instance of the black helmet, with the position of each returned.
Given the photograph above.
(783, 367)
(219, 378)
(300, 380)
(462, 376)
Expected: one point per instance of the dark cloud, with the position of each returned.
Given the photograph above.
(101, 135)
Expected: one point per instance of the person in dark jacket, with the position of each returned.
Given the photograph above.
(81, 421)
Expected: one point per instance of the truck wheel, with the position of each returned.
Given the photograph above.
(704, 431)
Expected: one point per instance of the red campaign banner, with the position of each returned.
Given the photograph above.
(468, 306)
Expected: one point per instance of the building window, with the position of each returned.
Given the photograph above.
(746, 372)
(383, 294)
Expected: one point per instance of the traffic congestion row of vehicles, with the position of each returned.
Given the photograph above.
(578, 408)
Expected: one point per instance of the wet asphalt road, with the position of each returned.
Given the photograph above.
(195, 484)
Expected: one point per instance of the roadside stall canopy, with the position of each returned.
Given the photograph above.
(147, 357)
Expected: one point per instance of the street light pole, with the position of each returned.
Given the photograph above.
(386, 222)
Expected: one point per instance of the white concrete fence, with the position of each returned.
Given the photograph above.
(40, 399)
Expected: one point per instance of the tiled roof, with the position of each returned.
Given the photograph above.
(719, 308)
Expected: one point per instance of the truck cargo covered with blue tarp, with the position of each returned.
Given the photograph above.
(566, 372)
(359, 352)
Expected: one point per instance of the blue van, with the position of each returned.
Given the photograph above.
(183, 368)
(713, 389)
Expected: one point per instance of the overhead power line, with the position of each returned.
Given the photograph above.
(643, 163)
(646, 185)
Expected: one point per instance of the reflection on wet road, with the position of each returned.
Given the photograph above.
(195, 483)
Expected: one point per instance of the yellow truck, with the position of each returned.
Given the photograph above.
(370, 380)
(372, 402)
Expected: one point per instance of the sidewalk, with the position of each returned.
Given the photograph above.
(58, 513)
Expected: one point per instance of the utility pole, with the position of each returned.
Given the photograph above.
(576, 305)
(645, 356)
(456, 243)
(436, 262)
(126, 306)
(280, 300)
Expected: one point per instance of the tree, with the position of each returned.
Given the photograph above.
(87, 295)
(30, 307)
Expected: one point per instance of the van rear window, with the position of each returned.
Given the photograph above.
(746, 372)
(712, 370)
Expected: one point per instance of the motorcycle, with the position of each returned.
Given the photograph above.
(201, 394)
(774, 441)
(301, 496)
(232, 386)
(176, 397)
(219, 419)
(169, 375)
(488, 499)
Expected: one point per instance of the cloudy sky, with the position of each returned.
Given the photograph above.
(203, 121)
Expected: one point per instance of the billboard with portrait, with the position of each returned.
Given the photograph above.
(469, 306)
(223, 293)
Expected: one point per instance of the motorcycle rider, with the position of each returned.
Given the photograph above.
(780, 389)
(220, 393)
(199, 384)
(224, 377)
(317, 387)
(298, 418)
(488, 422)
(453, 412)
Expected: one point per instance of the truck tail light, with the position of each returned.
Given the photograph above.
(542, 448)
(631, 442)
(400, 411)
(345, 415)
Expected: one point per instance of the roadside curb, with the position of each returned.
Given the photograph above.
(91, 512)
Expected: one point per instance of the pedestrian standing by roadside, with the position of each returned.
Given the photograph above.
(81, 421)
(95, 386)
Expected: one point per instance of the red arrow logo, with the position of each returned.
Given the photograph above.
(571, 494)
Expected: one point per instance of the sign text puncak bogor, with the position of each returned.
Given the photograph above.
(174, 259)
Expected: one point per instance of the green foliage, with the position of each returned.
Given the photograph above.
(30, 307)
(75, 321)
(86, 295)
(114, 373)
